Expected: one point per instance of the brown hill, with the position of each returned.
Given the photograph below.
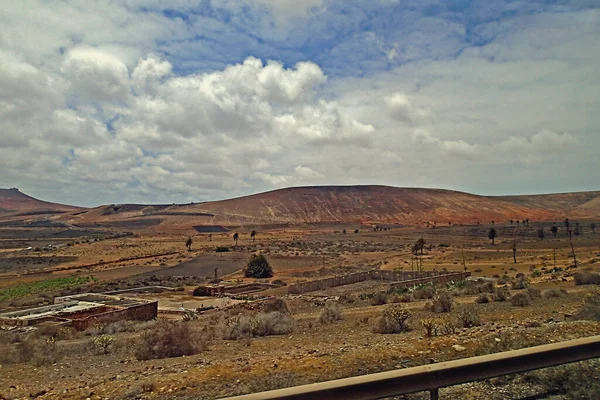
(14, 204)
(348, 204)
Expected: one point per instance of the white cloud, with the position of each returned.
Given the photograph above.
(121, 105)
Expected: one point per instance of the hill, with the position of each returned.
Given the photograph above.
(347, 204)
(15, 204)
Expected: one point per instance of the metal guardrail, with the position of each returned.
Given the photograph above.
(432, 377)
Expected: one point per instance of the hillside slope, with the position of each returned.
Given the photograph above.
(349, 204)
(314, 204)
(15, 204)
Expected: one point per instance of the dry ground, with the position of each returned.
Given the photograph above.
(312, 351)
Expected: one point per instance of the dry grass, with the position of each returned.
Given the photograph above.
(170, 339)
(331, 313)
(261, 324)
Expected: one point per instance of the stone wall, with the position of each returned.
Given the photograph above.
(142, 312)
(397, 279)
(320, 284)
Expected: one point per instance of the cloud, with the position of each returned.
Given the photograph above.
(96, 75)
(148, 101)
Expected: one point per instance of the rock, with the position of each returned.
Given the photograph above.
(38, 393)
(458, 347)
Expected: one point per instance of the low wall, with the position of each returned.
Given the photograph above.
(398, 279)
(320, 284)
(452, 276)
(142, 312)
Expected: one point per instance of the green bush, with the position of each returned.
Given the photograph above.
(258, 267)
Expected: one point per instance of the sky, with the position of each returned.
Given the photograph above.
(151, 101)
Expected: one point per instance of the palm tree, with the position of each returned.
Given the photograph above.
(235, 237)
(514, 249)
(492, 235)
(567, 223)
(253, 235)
(188, 244)
(419, 245)
(541, 234)
(554, 230)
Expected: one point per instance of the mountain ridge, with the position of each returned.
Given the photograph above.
(367, 204)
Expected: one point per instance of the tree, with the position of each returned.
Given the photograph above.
(567, 224)
(258, 267)
(492, 235)
(514, 249)
(188, 244)
(344, 231)
(418, 246)
(541, 233)
(593, 227)
(493, 222)
(576, 231)
(554, 230)
(511, 221)
(210, 237)
(253, 235)
(235, 237)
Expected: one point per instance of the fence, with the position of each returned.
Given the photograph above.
(432, 377)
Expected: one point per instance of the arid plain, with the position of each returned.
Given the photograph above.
(525, 289)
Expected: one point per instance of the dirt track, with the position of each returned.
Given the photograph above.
(204, 265)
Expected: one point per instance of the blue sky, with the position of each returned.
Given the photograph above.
(156, 101)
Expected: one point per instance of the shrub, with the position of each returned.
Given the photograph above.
(482, 299)
(469, 317)
(276, 305)
(426, 292)
(347, 298)
(261, 324)
(39, 350)
(521, 299)
(430, 326)
(104, 342)
(536, 274)
(379, 298)
(534, 293)
(502, 294)
(258, 267)
(169, 339)
(405, 298)
(519, 284)
(331, 313)
(551, 293)
(442, 303)
(587, 278)
(591, 307)
(488, 287)
(393, 320)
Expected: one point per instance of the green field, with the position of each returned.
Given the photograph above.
(26, 289)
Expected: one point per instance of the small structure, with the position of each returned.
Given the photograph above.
(82, 311)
